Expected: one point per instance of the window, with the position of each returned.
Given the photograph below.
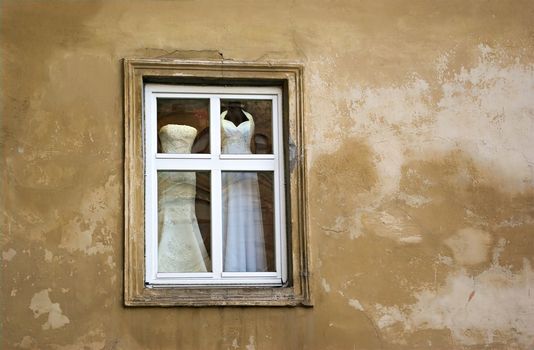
(214, 206)
(214, 184)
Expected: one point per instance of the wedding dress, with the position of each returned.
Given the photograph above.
(181, 248)
(244, 248)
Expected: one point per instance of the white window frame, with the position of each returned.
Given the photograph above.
(215, 162)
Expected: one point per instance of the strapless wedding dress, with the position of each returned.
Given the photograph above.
(181, 248)
(244, 242)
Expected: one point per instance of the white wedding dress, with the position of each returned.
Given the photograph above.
(181, 248)
(244, 242)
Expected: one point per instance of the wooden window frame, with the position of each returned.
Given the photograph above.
(139, 72)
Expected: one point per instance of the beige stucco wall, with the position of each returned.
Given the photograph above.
(420, 143)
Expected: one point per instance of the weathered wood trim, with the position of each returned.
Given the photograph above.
(136, 293)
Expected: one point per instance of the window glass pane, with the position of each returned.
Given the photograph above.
(183, 125)
(246, 126)
(184, 221)
(248, 221)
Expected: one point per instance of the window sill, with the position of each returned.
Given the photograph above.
(217, 296)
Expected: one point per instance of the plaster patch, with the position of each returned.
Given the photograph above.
(497, 251)
(445, 260)
(515, 222)
(394, 224)
(414, 200)
(79, 234)
(469, 246)
(251, 343)
(388, 316)
(355, 303)
(338, 228)
(93, 340)
(325, 285)
(10, 254)
(48, 255)
(493, 306)
(110, 262)
(41, 304)
(27, 342)
(411, 239)
(442, 63)
(377, 114)
(485, 110)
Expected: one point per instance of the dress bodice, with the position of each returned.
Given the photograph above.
(177, 138)
(176, 186)
(236, 139)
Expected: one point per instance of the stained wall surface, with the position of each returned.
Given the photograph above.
(420, 154)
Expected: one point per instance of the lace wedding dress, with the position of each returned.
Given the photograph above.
(181, 248)
(244, 242)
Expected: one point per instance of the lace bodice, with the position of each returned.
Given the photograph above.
(175, 186)
(177, 138)
(236, 139)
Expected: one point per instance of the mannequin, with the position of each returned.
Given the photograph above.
(260, 142)
(235, 113)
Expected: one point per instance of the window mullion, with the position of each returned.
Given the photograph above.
(216, 223)
(216, 188)
(215, 126)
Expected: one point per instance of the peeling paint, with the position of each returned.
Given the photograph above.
(464, 117)
(48, 255)
(78, 234)
(41, 304)
(27, 342)
(8, 255)
(93, 340)
(414, 200)
(356, 304)
(451, 197)
(251, 343)
(325, 285)
(493, 306)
